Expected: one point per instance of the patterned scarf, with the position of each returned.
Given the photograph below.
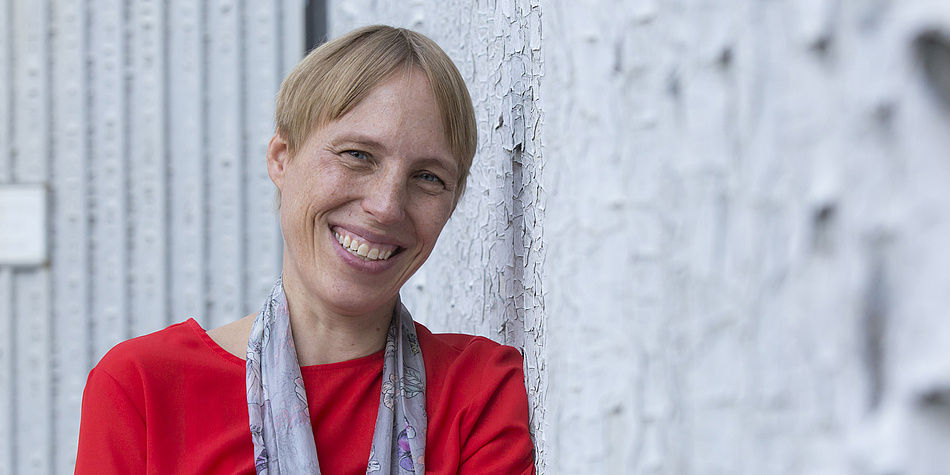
(277, 401)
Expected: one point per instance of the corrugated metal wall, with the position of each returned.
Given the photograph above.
(147, 120)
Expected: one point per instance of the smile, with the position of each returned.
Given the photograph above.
(367, 250)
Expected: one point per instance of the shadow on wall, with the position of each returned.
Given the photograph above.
(933, 51)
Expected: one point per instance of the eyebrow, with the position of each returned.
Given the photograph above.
(358, 139)
(451, 166)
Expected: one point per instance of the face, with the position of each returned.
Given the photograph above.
(364, 199)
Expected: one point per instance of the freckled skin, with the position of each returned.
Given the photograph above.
(384, 171)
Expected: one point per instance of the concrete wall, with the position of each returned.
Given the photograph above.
(729, 218)
(747, 233)
(147, 123)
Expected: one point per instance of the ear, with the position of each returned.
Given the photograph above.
(278, 155)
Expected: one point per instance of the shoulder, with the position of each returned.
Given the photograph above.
(469, 372)
(460, 344)
(449, 352)
(147, 393)
(122, 376)
(158, 354)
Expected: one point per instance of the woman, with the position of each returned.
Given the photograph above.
(375, 137)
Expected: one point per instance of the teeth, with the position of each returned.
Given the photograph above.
(362, 249)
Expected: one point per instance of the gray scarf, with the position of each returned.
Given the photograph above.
(277, 401)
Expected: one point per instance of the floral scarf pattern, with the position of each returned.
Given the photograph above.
(277, 401)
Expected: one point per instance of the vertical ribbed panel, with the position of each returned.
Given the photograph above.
(6, 70)
(7, 397)
(262, 245)
(186, 134)
(108, 175)
(70, 221)
(31, 287)
(292, 15)
(6, 274)
(225, 147)
(147, 167)
(148, 122)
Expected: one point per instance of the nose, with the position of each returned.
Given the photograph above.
(385, 198)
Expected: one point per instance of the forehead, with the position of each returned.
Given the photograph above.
(401, 112)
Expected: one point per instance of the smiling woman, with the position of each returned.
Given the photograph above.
(375, 136)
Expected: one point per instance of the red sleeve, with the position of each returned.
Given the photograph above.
(112, 430)
(496, 421)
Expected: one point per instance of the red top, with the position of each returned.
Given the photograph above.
(174, 402)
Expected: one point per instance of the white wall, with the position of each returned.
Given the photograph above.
(147, 121)
(747, 228)
(736, 255)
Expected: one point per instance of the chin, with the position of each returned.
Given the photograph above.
(360, 305)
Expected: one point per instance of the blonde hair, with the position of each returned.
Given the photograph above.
(333, 78)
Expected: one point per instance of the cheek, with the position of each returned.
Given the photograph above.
(434, 219)
(292, 222)
(297, 211)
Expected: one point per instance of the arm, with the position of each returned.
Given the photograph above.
(497, 419)
(112, 430)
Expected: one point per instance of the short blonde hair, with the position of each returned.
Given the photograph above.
(333, 78)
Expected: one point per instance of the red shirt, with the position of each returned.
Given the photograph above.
(174, 402)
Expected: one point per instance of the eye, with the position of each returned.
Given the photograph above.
(426, 176)
(357, 154)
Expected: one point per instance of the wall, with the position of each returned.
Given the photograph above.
(147, 121)
(735, 257)
(746, 226)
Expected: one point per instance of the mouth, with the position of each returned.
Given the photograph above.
(365, 249)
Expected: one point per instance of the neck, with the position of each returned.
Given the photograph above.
(323, 336)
